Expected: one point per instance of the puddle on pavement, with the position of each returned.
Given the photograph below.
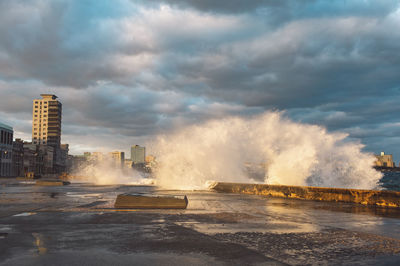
(83, 195)
(5, 228)
(93, 204)
(41, 249)
(25, 214)
(270, 227)
(157, 221)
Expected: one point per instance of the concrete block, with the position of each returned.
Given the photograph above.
(360, 196)
(147, 201)
(51, 183)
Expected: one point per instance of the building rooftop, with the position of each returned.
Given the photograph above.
(5, 126)
(48, 96)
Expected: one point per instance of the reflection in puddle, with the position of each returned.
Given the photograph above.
(85, 195)
(275, 227)
(39, 243)
(25, 214)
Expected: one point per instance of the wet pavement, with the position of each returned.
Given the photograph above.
(78, 225)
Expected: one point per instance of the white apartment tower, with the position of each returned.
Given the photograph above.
(46, 121)
(138, 154)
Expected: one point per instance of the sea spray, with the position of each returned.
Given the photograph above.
(105, 171)
(268, 148)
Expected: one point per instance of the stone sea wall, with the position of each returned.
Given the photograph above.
(365, 197)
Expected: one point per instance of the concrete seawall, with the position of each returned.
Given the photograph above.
(365, 197)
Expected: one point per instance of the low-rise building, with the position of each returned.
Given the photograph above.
(62, 158)
(128, 163)
(384, 160)
(97, 156)
(6, 147)
(18, 158)
(33, 161)
(117, 158)
(46, 155)
(77, 162)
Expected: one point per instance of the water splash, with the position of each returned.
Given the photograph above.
(107, 172)
(263, 149)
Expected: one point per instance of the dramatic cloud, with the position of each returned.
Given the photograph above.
(128, 70)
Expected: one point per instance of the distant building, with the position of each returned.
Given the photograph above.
(18, 158)
(138, 154)
(33, 160)
(118, 158)
(77, 162)
(149, 158)
(46, 121)
(46, 156)
(6, 146)
(128, 163)
(46, 130)
(97, 156)
(384, 160)
(62, 158)
(150, 163)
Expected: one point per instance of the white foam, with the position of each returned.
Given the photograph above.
(262, 149)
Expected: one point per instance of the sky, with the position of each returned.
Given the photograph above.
(126, 71)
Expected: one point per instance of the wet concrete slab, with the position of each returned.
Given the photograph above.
(78, 224)
(150, 201)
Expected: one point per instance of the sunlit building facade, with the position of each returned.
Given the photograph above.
(46, 121)
(384, 160)
(117, 157)
(138, 154)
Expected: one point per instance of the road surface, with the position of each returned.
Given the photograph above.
(78, 225)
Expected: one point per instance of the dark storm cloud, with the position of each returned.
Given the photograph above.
(135, 68)
(233, 6)
(287, 8)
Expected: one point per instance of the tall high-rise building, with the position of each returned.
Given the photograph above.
(46, 121)
(138, 154)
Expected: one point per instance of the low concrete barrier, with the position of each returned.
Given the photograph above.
(366, 197)
(51, 183)
(142, 201)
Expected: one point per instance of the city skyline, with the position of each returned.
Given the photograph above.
(129, 71)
